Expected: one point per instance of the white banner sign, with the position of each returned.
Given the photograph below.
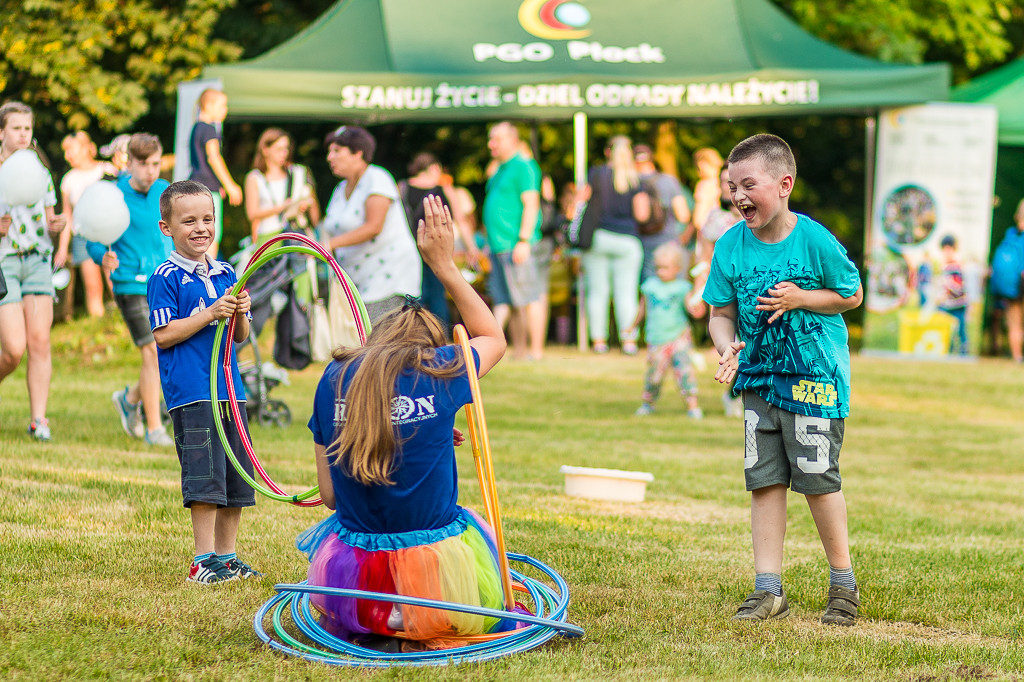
(928, 244)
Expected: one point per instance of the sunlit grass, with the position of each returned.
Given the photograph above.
(94, 543)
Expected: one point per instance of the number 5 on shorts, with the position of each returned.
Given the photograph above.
(816, 439)
(810, 431)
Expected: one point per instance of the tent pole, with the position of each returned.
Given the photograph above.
(870, 143)
(579, 155)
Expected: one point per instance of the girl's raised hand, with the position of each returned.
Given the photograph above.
(435, 236)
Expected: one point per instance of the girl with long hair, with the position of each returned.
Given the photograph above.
(611, 267)
(383, 428)
(279, 194)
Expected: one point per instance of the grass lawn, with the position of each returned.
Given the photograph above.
(94, 542)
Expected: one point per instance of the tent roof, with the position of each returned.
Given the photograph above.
(1004, 89)
(376, 60)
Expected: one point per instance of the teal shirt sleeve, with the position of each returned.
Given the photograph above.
(837, 270)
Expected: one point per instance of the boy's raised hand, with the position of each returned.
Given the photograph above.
(729, 363)
(5, 224)
(435, 236)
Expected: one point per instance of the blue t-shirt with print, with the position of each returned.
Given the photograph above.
(800, 362)
(665, 313)
(425, 491)
(175, 292)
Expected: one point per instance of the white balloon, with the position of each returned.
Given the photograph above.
(23, 179)
(101, 214)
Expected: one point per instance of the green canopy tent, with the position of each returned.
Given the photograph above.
(373, 61)
(1004, 89)
(406, 60)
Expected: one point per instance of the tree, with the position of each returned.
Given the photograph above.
(971, 35)
(99, 62)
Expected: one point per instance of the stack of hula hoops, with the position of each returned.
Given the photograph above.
(294, 627)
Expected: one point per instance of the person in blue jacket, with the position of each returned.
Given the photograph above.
(130, 261)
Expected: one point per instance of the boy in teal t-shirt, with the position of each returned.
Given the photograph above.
(664, 303)
(781, 286)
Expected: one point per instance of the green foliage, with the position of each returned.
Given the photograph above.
(970, 34)
(101, 62)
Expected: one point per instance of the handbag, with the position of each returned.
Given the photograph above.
(321, 343)
(340, 316)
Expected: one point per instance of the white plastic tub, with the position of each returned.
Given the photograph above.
(606, 484)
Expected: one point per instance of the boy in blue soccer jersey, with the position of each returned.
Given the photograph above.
(187, 298)
(780, 286)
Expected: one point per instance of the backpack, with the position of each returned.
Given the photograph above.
(656, 222)
(1008, 265)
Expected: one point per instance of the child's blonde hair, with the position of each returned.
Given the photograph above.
(670, 250)
(406, 339)
(209, 96)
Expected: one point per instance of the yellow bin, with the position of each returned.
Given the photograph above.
(926, 333)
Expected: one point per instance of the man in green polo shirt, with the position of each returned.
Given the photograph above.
(512, 220)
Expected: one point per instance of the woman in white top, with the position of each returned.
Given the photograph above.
(80, 153)
(278, 193)
(366, 225)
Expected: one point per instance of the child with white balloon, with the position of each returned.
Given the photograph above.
(86, 169)
(28, 225)
(122, 224)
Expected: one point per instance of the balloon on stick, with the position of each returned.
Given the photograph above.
(101, 213)
(23, 179)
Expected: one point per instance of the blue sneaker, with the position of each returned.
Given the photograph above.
(128, 413)
(242, 570)
(644, 410)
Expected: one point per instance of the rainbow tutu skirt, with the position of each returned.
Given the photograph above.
(456, 563)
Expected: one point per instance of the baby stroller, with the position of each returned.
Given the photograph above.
(271, 291)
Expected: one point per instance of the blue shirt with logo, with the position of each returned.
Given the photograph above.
(176, 292)
(425, 491)
(800, 362)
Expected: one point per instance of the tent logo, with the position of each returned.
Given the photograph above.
(554, 19)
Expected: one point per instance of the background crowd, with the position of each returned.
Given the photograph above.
(533, 250)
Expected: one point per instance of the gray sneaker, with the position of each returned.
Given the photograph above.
(159, 437)
(842, 606)
(40, 430)
(762, 605)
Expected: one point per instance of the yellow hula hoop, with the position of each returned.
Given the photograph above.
(480, 443)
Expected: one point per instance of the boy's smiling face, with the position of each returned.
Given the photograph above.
(191, 226)
(760, 196)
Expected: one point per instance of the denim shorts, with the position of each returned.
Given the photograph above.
(79, 254)
(26, 275)
(512, 284)
(135, 311)
(206, 474)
